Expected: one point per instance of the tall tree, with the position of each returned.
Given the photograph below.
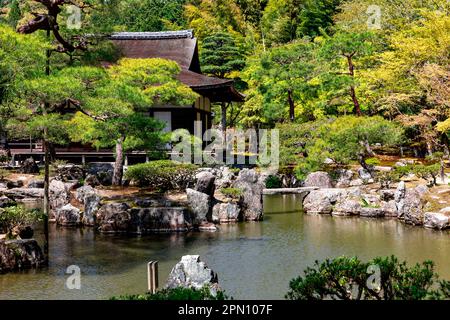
(113, 109)
(221, 56)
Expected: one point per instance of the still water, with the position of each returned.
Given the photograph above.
(253, 260)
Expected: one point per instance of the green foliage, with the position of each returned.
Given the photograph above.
(273, 182)
(3, 174)
(177, 294)
(220, 55)
(162, 175)
(15, 217)
(373, 161)
(348, 278)
(343, 140)
(427, 172)
(234, 193)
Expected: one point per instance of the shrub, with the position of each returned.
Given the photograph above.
(3, 174)
(273, 182)
(232, 192)
(162, 175)
(17, 217)
(177, 294)
(427, 172)
(347, 278)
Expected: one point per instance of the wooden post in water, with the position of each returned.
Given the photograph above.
(152, 276)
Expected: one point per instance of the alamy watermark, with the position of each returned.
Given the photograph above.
(73, 282)
(214, 147)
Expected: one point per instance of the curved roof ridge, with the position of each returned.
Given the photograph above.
(180, 34)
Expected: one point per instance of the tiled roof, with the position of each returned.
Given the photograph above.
(182, 34)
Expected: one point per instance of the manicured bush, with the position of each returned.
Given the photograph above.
(162, 175)
(15, 218)
(176, 294)
(273, 182)
(348, 278)
(231, 192)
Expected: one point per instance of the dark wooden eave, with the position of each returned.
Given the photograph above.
(181, 47)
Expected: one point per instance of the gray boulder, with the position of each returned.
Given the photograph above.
(91, 206)
(371, 212)
(91, 180)
(205, 183)
(364, 174)
(103, 171)
(436, 220)
(389, 208)
(387, 195)
(29, 166)
(199, 205)
(400, 192)
(14, 184)
(6, 202)
(82, 192)
(224, 177)
(68, 216)
(59, 196)
(36, 183)
(344, 178)
(113, 218)
(322, 201)
(159, 219)
(20, 254)
(23, 193)
(252, 185)
(347, 207)
(410, 209)
(191, 272)
(319, 179)
(226, 213)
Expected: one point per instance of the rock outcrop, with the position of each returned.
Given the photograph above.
(205, 183)
(113, 218)
(159, 219)
(191, 272)
(252, 185)
(322, 201)
(437, 220)
(199, 205)
(20, 254)
(68, 216)
(59, 196)
(29, 166)
(319, 179)
(226, 213)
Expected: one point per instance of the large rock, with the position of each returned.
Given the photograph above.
(344, 178)
(82, 192)
(226, 213)
(14, 184)
(322, 201)
(91, 180)
(159, 219)
(103, 171)
(91, 206)
(191, 272)
(319, 179)
(365, 175)
(29, 166)
(20, 254)
(436, 220)
(36, 183)
(410, 209)
(6, 202)
(199, 205)
(68, 216)
(387, 194)
(70, 172)
(371, 212)
(24, 193)
(347, 207)
(400, 192)
(59, 196)
(224, 177)
(113, 218)
(389, 208)
(252, 185)
(205, 183)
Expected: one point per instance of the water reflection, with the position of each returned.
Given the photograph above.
(253, 260)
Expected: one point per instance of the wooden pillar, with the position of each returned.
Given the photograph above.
(152, 276)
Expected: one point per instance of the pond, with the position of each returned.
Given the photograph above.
(253, 260)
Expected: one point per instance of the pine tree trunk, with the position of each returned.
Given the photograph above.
(291, 106)
(351, 71)
(118, 165)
